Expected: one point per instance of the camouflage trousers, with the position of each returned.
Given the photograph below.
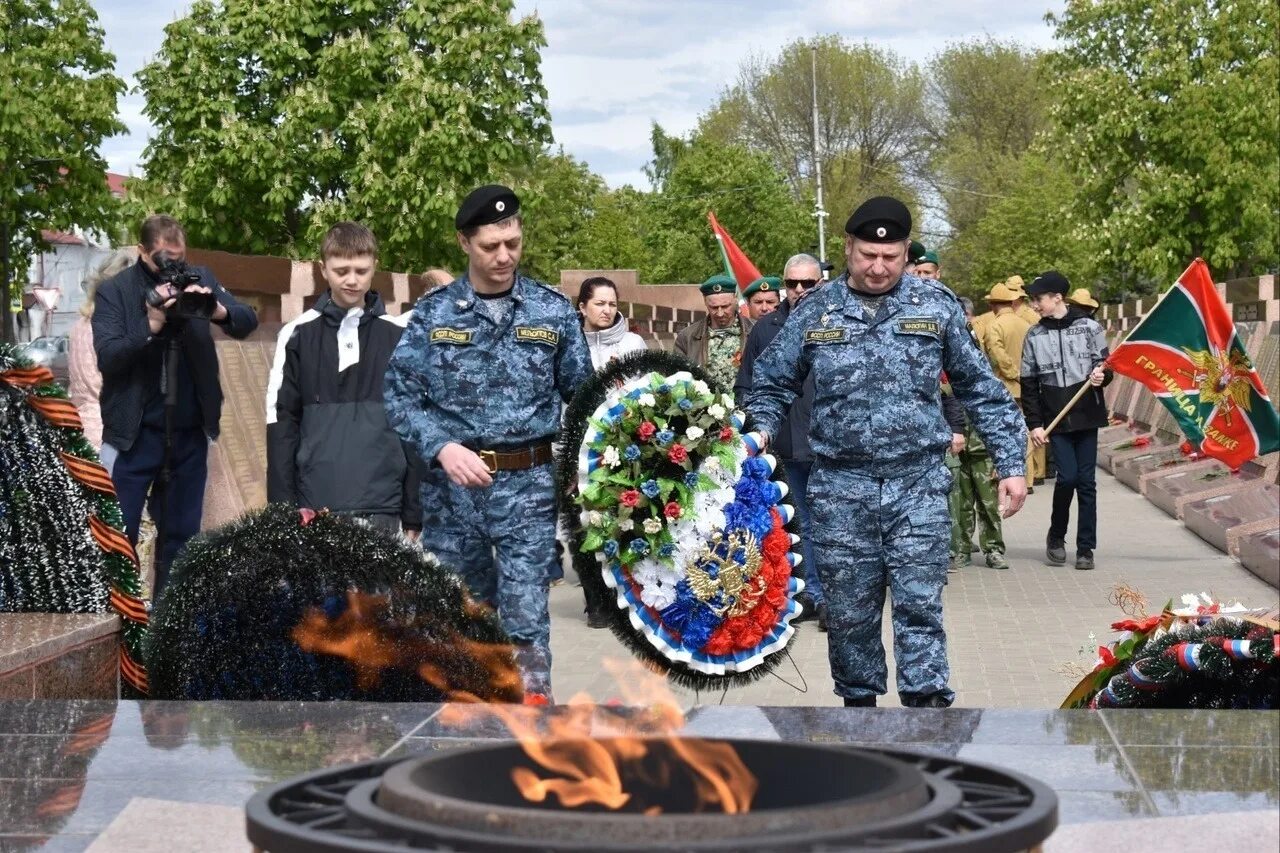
(501, 541)
(869, 533)
(974, 498)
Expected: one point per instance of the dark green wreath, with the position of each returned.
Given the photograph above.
(225, 626)
(1200, 668)
(50, 561)
(589, 396)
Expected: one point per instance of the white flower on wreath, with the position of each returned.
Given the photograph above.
(694, 433)
(701, 388)
(611, 457)
(647, 400)
(595, 519)
(710, 465)
(652, 526)
(626, 524)
(716, 411)
(658, 595)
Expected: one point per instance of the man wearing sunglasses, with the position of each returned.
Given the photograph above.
(801, 275)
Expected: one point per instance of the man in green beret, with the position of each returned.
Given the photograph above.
(715, 342)
(763, 296)
(927, 266)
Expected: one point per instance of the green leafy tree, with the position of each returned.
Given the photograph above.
(985, 104)
(58, 105)
(1022, 232)
(1168, 116)
(750, 198)
(871, 109)
(274, 118)
(559, 197)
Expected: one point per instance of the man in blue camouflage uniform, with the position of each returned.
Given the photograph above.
(476, 385)
(875, 341)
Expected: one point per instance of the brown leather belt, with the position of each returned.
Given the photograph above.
(516, 460)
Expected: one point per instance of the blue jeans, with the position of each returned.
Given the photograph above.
(135, 473)
(1076, 454)
(798, 482)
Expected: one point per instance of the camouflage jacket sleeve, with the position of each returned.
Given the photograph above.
(573, 365)
(778, 376)
(406, 391)
(990, 406)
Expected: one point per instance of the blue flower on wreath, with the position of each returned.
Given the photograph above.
(632, 453)
(664, 388)
(666, 549)
(666, 436)
(650, 489)
(691, 479)
(685, 405)
(690, 617)
(639, 546)
(610, 548)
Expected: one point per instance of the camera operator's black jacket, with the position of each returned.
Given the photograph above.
(131, 360)
(328, 441)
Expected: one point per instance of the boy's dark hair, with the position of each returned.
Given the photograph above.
(348, 240)
(160, 226)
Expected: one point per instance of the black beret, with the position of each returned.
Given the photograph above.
(916, 252)
(880, 220)
(1049, 282)
(485, 206)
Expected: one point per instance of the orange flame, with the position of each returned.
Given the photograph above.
(588, 751)
(462, 669)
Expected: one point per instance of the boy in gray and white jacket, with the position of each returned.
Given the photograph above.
(1063, 351)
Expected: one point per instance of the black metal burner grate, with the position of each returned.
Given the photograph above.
(964, 806)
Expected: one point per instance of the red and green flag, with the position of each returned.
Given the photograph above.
(736, 262)
(1187, 352)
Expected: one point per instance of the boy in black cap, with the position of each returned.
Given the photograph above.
(476, 385)
(1059, 354)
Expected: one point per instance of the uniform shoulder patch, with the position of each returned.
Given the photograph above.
(445, 335)
(550, 288)
(919, 326)
(824, 336)
(538, 335)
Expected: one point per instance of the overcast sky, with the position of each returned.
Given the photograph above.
(612, 67)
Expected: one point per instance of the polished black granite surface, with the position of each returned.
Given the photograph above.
(67, 768)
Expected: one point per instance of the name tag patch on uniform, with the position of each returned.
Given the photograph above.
(537, 335)
(919, 326)
(823, 336)
(451, 336)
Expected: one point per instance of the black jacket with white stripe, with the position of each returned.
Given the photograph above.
(1058, 354)
(328, 441)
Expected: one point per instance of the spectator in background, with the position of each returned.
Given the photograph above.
(85, 381)
(762, 297)
(436, 278)
(603, 326)
(1083, 299)
(133, 328)
(801, 275)
(928, 266)
(715, 342)
(1002, 341)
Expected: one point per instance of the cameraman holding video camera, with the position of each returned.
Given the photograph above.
(161, 399)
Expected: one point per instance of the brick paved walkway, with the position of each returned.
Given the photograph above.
(1009, 630)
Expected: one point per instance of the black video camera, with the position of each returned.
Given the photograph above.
(189, 306)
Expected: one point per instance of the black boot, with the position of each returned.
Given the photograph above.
(597, 619)
(807, 608)
(860, 702)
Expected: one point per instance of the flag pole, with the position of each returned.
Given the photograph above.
(1071, 404)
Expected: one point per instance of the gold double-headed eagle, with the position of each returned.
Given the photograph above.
(1223, 378)
(738, 584)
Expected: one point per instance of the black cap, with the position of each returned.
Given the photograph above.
(880, 220)
(485, 206)
(1049, 282)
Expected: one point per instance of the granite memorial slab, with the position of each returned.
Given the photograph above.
(1211, 518)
